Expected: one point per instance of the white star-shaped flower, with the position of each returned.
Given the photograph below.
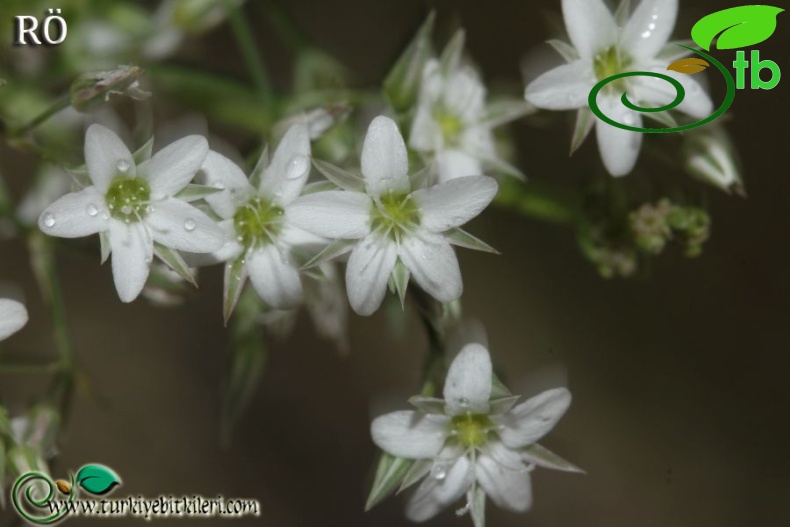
(392, 228)
(602, 48)
(259, 236)
(453, 123)
(468, 441)
(13, 316)
(135, 206)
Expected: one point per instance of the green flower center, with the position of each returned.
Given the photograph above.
(471, 430)
(611, 62)
(395, 215)
(450, 125)
(257, 223)
(127, 198)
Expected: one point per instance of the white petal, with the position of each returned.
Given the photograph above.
(13, 316)
(656, 92)
(286, 175)
(590, 24)
(332, 214)
(220, 172)
(132, 252)
(75, 215)
(507, 488)
(425, 135)
(172, 168)
(453, 164)
(565, 87)
(103, 151)
(276, 281)
(451, 204)
(619, 148)
(468, 384)
(410, 435)
(181, 226)
(368, 271)
(465, 95)
(385, 164)
(649, 28)
(433, 265)
(230, 250)
(434, 494)
(529, 421)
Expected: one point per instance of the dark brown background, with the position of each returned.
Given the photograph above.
(679, 380)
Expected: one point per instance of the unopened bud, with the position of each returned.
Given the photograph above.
(94, 88)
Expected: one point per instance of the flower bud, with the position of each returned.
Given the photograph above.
(94, 88)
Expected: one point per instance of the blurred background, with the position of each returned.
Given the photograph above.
(679, 375)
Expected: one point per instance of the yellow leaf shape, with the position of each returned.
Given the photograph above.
(689, 66)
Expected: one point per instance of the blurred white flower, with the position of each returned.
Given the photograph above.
(51, 183)
(260, 239)
(391, 228)
(470, 444)
(604, 45)
(453, 123)
(13, 316)
(135, 206)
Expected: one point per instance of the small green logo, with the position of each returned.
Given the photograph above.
(34, 492)
(737, 27)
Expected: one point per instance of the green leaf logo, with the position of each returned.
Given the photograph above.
(97, 479)
(738, 27)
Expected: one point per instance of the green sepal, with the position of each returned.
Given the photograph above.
(390, 473)
(176, 262)
(402, 84)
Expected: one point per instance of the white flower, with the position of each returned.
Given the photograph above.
(453, 123)
(13, 316)
(392, 228)
(254, 219)
(603, 48)
(470, 442)
(135, 206)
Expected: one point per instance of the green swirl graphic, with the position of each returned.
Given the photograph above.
(681, 94)
(39, 503)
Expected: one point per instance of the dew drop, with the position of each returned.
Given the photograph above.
(189, 225)
(126, 210)
(464, 402)
(439, 471)
(49, 220)
(123, 166)
(297, 166)
(220, 185)
(92, 210)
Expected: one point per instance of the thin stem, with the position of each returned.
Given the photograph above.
(57, 106)
(285, 27)
(436, 361)
(243, 34)
(29, 369)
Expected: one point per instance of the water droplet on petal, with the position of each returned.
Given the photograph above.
(439, 471)
(463, 402)
(189, 225)
(92, 210)
(126, 210)
(297, 166)
(49, 220)
(123, 166)
(220, 185)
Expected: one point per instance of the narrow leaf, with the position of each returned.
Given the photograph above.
(318, 186)
(260, 167)
(501, 166)
(400, 277)
(737, 27)
(673, 50)
(390, 473)
(428, 405)
(498, 390)
(340, 177)
(106, 248)
(144, 152)
(462, 238)
(623, 13)
(506, 110)
(418, 470)
(175, 262)
(427, 177)
(585, 120)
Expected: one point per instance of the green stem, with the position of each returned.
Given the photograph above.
(57, 106)
(29, 369)
(241, 29)
(436, 361)
(538, 201)
(284, 27)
